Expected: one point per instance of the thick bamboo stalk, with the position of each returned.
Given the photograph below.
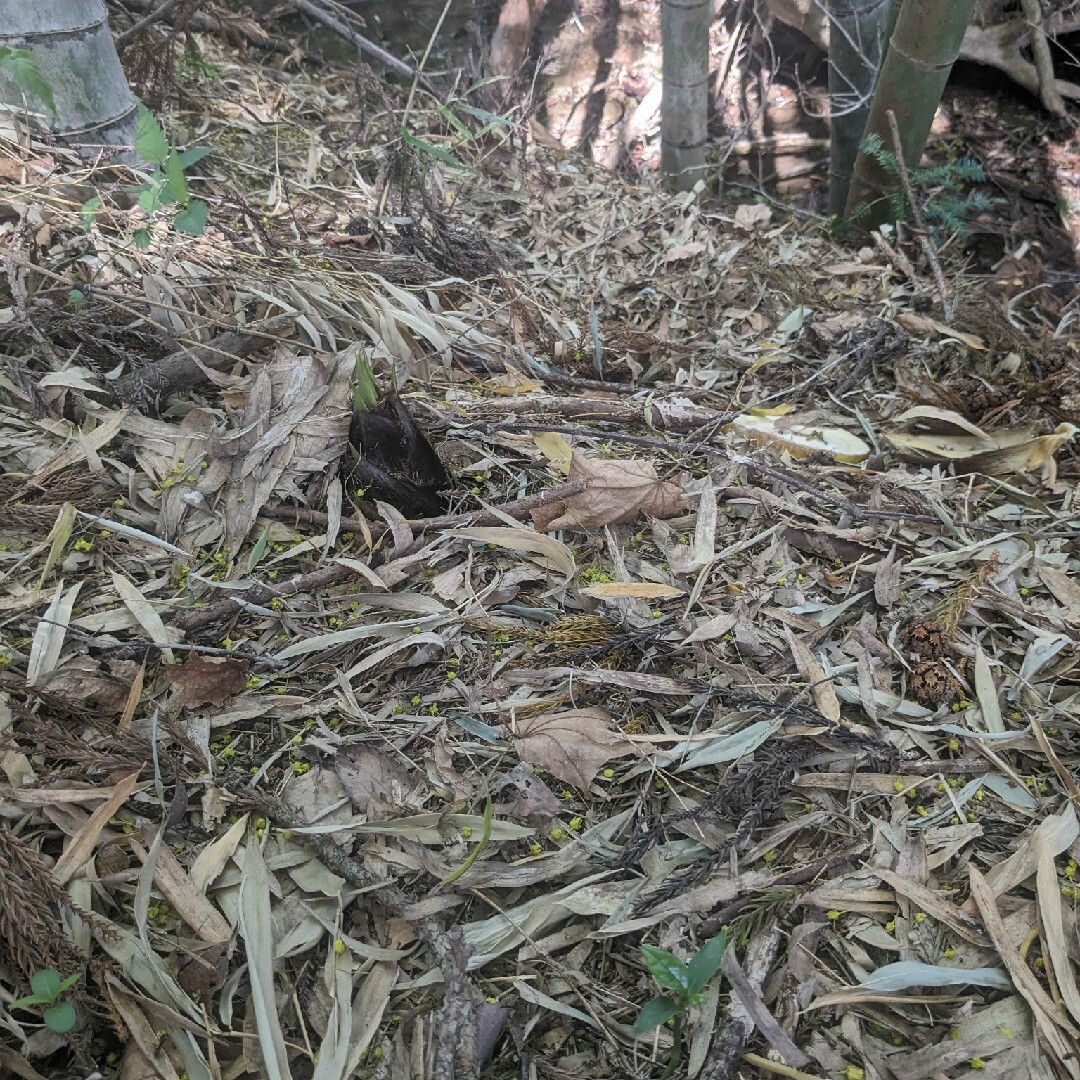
(684, 29)
(74, 52)
(921, 53)
(856, 45)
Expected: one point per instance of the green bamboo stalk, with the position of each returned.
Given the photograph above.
(921, 53)
(684, 102)
(856, 44)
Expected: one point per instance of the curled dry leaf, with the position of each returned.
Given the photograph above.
(571, 745)
(924, 326)
(208, 680)
(801, 437)
(1011, 450)
(619, 490)
(1026, 457)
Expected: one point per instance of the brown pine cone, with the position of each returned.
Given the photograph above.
(933, 684)
(925, 638)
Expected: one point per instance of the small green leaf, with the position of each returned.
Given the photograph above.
(46, 984)
(150, 142)
(654, 1013)
(482, 114)
(77, 298)
(19, 63)
(188, 158)
(486, 81)
(149, 199)
(69, 982)
(455, 123)
(90, 209)
(191, 221)
(26, 1002)
(61, 1017)
(175, 181)
(436, 152)
(365, 393)
(259, 549)
(141, 238)
(706, 962)
(667, 969)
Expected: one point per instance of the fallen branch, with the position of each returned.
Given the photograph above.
(189, 367)
(231, 27)
(925, 241)
(732, 1037)
(1044, 63)
(518, 509)
(331, 21)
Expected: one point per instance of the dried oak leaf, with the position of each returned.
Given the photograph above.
(532, 798)
(933, 683)
(571, 745)
(372, 778)
(925, 638)
(85, 681)
(205, 973)
(618, 490)
(208, 680)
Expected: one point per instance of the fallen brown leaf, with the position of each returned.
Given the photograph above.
(619, 490)
(208, 680)
(571, 745)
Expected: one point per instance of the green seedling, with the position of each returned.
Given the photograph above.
(683, 985)
(48, 988)
(167, 185)
(946, 201)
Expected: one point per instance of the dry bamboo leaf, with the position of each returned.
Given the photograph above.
(144, 967)
(257, 929)
(986, 692)
(1051, 922)
(820, 684)
(49, 634)
(546, 550)
(370, 1005)
(58, 539)
(333, 1058)
(83, 843)
(145, 1042)
(932, 419)
(801, 437)
(379, 656)
(926, 326)
(133, 698)
(1064, 589)
(1049, 1017)
(145, 614)
(81, 446)
(937, 906)
(633, 590)
(213, 858)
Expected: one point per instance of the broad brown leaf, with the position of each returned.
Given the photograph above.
(209, 680)
(571, 745)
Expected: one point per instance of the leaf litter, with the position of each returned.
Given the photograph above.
(754, 605)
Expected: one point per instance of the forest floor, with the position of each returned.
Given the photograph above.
(695, 574)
